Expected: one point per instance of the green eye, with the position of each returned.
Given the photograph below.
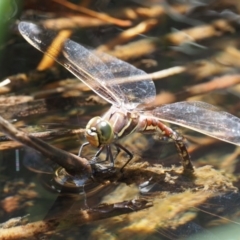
(99, 132)
(105, 132)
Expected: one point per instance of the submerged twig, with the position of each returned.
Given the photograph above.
(72, 163)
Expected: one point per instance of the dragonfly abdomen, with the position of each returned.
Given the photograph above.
(150, 124)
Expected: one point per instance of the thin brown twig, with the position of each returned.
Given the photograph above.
(101, 16)
(72, 23)
(203, 88)
(216, 28)
(129, 34)
(198, 89)
(142, 47)
(154, 11)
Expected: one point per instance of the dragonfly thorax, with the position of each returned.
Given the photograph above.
(99, 132)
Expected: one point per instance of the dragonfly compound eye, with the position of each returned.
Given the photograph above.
(99, 132)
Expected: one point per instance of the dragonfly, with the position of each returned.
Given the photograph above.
(129, 90)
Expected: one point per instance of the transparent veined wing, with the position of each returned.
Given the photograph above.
(202, 117)
(105, 75)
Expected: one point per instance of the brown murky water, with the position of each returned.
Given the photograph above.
(151, 199)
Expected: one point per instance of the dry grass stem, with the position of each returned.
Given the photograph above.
(89, 12)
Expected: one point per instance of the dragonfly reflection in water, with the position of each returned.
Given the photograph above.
(102, 72)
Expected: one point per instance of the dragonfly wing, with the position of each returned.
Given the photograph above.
(202, 117)
(136, 85)
(98, 71)
(42, 39)
(132, 86)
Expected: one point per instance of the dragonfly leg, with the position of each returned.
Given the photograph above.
(118, 151)
(119, 146)
(97, 155)
(109, 154)
(81, 148)
(99, 152)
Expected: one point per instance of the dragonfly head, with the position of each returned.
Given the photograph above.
(99, 132)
